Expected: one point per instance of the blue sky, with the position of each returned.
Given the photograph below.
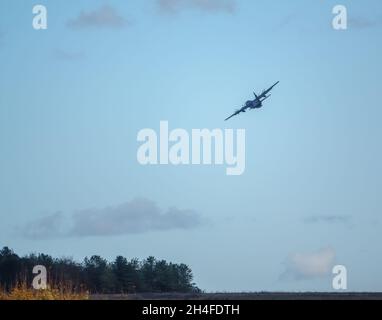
(73, 98)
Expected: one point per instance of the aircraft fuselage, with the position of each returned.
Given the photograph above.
(253, 104)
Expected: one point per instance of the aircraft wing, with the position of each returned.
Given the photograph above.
(265, 92)
(271, 88)
(236, 113)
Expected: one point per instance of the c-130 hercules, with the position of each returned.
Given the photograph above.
(254, 104)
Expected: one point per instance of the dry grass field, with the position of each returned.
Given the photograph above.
(61, 292)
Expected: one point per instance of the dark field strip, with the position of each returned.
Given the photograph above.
(241, 296)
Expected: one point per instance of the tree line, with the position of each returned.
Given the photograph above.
(97, 275)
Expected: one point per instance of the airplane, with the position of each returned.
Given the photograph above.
(254, 104)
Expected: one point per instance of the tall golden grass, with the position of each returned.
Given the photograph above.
(59, 292)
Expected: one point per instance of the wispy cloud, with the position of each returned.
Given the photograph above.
(303, 266)
(286, 21)
(43, 228)
(361, 23)
(212, 6)
(64, 55)
(134, 217)
(104, 17)
(345, 219)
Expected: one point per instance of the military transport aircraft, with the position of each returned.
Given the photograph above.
(254, 104)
